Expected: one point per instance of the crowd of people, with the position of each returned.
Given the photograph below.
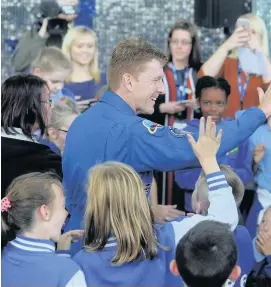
(141, 176)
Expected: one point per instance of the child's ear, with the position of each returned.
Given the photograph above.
(44, 212)
(173, 268)
(52, 133)
(235, 274)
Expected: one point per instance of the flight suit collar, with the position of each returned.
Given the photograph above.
(117, 102)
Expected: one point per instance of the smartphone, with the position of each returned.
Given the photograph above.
(241, 22)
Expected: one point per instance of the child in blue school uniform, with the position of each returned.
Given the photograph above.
(200, 204)
(261, 273)
(260, 146)
(212, 95)
(34, 209)
(207, 256)
(122, 246)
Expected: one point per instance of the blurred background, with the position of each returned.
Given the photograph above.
(115, 20)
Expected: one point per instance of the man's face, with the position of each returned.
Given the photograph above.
(213, 102)
(147, 86)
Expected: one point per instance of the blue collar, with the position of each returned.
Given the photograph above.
(117, 102)
(33, 245)
(111, 242)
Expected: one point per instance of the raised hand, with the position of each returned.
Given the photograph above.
(208, 143)
(265, 101)
(263, 243)
(239, 38)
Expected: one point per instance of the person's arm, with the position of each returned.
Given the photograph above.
(154, 191)
(258, 256)
(222, 204)
(29, 47)
(213, 65)
(154, 147)
(255, 46)
(267, 77)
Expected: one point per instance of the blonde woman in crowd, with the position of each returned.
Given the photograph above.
(250, 33)
(80, 44)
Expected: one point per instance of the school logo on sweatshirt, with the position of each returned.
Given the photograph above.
(178, 132)
(151, 126)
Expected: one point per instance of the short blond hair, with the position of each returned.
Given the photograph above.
(68, 41)
(233, 180)
(63, 109)
(257, 24)
(51, 59)
(128, 57)
(117, 206)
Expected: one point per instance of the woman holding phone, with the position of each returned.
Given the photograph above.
(250, 33)
(81, 46)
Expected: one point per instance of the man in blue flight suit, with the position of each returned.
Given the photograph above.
(111, 130)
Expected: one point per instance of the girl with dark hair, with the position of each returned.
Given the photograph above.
(212, 95)
(25, 110)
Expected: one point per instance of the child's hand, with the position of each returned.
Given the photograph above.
(263, 243)
(208, 143)
(258, 153)
(65, 240)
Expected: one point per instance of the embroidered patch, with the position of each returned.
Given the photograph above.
(151, 126)
(178, 133)
(235, 150)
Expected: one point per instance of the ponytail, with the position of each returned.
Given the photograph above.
(25, 194)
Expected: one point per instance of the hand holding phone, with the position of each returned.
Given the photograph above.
(242, 22)
(241, 35)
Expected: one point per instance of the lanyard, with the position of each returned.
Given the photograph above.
(242, 89)
(181, 89)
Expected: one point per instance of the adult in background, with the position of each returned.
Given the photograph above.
(112, 131)
(180, 79)
(85, 80)
(250, 35)
(48, 31)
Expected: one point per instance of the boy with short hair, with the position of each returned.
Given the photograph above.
(206, 256)
(54, 67)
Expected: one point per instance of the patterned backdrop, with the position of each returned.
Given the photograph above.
(116, 20)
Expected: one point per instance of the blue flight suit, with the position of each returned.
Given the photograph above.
(111, 131)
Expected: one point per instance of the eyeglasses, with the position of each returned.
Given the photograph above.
(182, 42)
(65, 131)
(47, 102)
